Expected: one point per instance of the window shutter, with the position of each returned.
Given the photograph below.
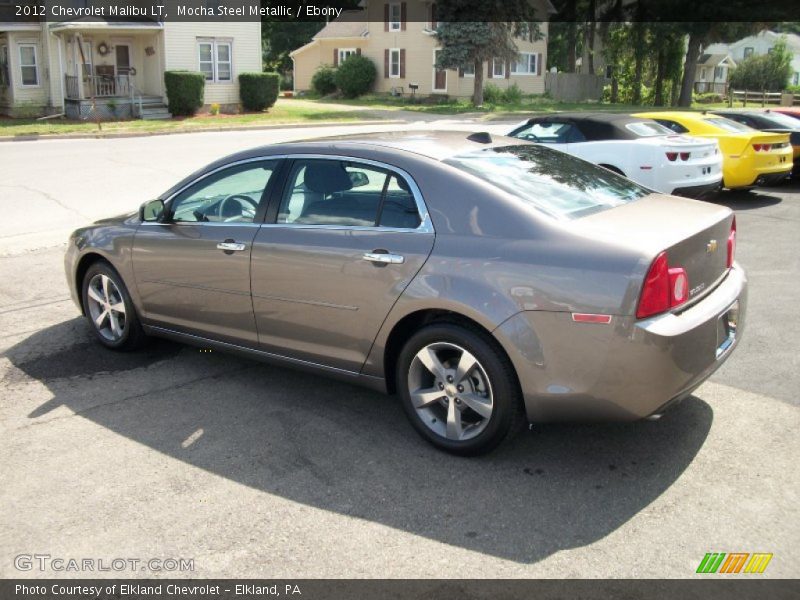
(539, 63)
(402, 63)
(402, 16)
(489, 67)
(508, 69)
(358, 51)
(335, 57)
(460, 71)
(386, 17)
(386, 63)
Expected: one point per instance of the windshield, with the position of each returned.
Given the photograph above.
(728, 125)
(553, 182)
(648, 129)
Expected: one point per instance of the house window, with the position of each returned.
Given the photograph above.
(394, 62)
(28, 64)
(5, 78)
(434, 21)
(795, 78)
(345, 53)
(718, 73)
(770, 50)
(468, 70)
(748, 52)
(498, 69)
(215, 59)
(86, 59)
(525, 64)
(703, 74)
(395, 16)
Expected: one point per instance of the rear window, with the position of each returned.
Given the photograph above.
(648, 129)
(550, 181)
(782, 120)
(728, 125)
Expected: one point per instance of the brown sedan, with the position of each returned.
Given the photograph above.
(484, 280)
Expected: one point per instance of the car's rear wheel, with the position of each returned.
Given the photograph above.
(458, 388)
(109, 308)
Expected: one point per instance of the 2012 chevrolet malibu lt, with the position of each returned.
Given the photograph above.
(485, 281)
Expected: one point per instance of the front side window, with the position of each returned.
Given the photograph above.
(552, 182)
(231, 195)
(395, 16)
(343, 193)
(28, 65)
(394, 62)
(525, 64)
(215, 60)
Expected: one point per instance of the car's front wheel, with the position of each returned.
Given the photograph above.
(458, 388)
(109, 308)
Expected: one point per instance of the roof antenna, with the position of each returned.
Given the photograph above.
(482, 137)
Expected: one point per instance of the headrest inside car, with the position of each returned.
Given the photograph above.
(327, 177)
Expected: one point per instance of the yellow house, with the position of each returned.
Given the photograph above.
(116, 68)
(404, 51)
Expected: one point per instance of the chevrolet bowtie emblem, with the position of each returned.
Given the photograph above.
(711, 246)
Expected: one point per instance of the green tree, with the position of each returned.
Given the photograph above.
(768, 72)
(486, 38)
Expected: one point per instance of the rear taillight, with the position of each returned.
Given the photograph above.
(672, 156)
(685, 155)
(732, 243)
(762, 147)
(664, 287)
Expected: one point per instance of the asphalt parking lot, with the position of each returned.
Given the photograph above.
(256, 471)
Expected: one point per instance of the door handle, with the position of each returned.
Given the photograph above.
(231, 246)
(384, 258)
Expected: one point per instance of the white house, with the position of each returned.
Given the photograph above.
(65, 67)
(760, 44)
(711, 74)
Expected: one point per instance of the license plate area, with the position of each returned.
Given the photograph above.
(727, 324)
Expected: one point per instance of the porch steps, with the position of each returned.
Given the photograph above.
(153, 108)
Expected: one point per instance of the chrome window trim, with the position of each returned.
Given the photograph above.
(425, 226)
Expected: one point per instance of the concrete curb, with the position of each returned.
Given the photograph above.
(131, 134)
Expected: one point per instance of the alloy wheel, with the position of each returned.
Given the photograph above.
(106, 307)
(450, 391)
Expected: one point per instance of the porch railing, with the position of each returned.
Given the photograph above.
(103, 86)
(716, 87)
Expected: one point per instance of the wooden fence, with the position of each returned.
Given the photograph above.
(763, 98)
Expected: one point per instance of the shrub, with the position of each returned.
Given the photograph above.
(287, 83)
(769, 72)
(793, 89)
(323, 81)
(214, 108)
(185, 91)
(708, 98)
(355, 76)
(492, 94)
(512, 95)
(258, 90)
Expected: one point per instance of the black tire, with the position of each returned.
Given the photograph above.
(132, 336)
(507, 407)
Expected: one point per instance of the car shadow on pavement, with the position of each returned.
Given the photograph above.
(348, 450)
(746, 199)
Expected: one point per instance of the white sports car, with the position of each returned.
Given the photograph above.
(640, 149)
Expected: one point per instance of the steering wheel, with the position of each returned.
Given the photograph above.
(242, 199)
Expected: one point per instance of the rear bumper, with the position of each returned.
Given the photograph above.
(698, 191)
(623, 371)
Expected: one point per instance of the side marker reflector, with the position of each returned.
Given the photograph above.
(589, 318)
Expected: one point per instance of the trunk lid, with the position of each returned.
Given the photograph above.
(693, 233)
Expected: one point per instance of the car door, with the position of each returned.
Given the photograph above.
(340, 245)
(193, 270)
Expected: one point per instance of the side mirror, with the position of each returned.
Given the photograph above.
(151, 211)
(358, 178)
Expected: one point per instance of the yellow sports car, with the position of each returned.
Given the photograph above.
(749, 157)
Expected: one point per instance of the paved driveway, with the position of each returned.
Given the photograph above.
(257, 471)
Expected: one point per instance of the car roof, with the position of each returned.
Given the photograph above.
(597, 125)
(437, 145)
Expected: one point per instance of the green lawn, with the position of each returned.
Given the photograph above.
(283, 112)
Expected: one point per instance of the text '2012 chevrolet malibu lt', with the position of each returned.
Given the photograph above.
(485, 281)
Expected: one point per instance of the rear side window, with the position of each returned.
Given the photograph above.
(648, 129)
(343, 193)
(673, 126)
(553, 182)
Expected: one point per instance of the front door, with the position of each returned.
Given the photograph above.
(123, 54)
(347, 239)
(439, 76)
(193, 271)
